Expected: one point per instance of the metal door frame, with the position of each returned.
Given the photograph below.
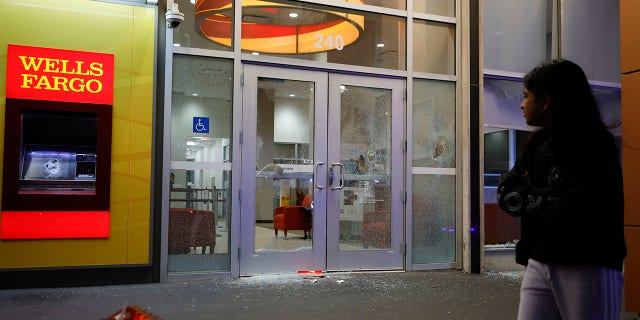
(379, 259)
(324, 254)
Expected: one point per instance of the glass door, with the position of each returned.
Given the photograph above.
(322, 172)
(284, 170)
(365, 194)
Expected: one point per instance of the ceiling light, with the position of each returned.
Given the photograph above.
(292, 95)
(380, 45)
(293, 15)
(194, 94)
(255, 53)
(176, 44)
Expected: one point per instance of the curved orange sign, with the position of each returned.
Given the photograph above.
(272, 27)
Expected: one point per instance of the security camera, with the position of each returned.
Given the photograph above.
(174, 16)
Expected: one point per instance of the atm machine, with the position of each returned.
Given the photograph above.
(57, 167)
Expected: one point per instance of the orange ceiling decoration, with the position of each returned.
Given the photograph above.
(270, 27)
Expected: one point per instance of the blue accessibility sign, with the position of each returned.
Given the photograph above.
(200, 125)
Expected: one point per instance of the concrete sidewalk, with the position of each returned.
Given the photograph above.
(367, 295)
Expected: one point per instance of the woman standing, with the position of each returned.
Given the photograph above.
(567, 188)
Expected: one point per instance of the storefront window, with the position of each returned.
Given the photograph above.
(203, 20)
(200, 181)
(517, 34)
(505, 135)
(434, 219)
(434, 47)
(437, 7)
(434, 124)
(598, 54)
(434, 223)
(324, 34)
(393, 4)
(500, 149)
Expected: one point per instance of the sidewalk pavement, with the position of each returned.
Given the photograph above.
(365, 295)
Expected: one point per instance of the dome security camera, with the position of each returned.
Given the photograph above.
(174, 16)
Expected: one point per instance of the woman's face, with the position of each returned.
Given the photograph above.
(533, 110)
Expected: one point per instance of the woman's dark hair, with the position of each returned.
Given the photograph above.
(574, 114)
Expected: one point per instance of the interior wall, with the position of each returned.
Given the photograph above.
(291, 124)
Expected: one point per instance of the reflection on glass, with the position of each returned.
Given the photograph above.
(437, 7)
(438, 40)
(393, 4)
(434, 125)
(365, 150)
(500, 230)
(502, 100)
(199, 23)
(200, 179)
(434, 219)
(284, 166)
(610, 106)
(496, 155)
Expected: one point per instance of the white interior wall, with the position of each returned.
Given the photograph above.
(291, 121)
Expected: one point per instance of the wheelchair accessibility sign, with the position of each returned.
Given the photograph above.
(200, 125)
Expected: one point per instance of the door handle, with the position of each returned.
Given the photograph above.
(333, 165)
(315, 175)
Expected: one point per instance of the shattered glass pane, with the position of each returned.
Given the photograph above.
(365, 151)
(434, 124)
(434, 219)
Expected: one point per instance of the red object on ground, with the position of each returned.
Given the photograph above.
(311, 273)
(132, 313)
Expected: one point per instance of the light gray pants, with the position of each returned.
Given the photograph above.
(570, 293)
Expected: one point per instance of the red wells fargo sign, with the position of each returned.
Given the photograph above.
(37, 73)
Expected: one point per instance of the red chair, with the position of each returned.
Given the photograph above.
(191, 228)
(293, 218)
(376, 229)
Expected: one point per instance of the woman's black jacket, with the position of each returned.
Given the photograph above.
(570, 200)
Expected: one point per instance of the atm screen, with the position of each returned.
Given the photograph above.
(58, 152)
(47, 170)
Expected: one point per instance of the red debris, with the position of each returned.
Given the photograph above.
(132, 313)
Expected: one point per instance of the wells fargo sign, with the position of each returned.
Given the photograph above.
(37, 73)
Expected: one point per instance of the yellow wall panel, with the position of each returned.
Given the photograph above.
(141, 135)
(129, 33)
